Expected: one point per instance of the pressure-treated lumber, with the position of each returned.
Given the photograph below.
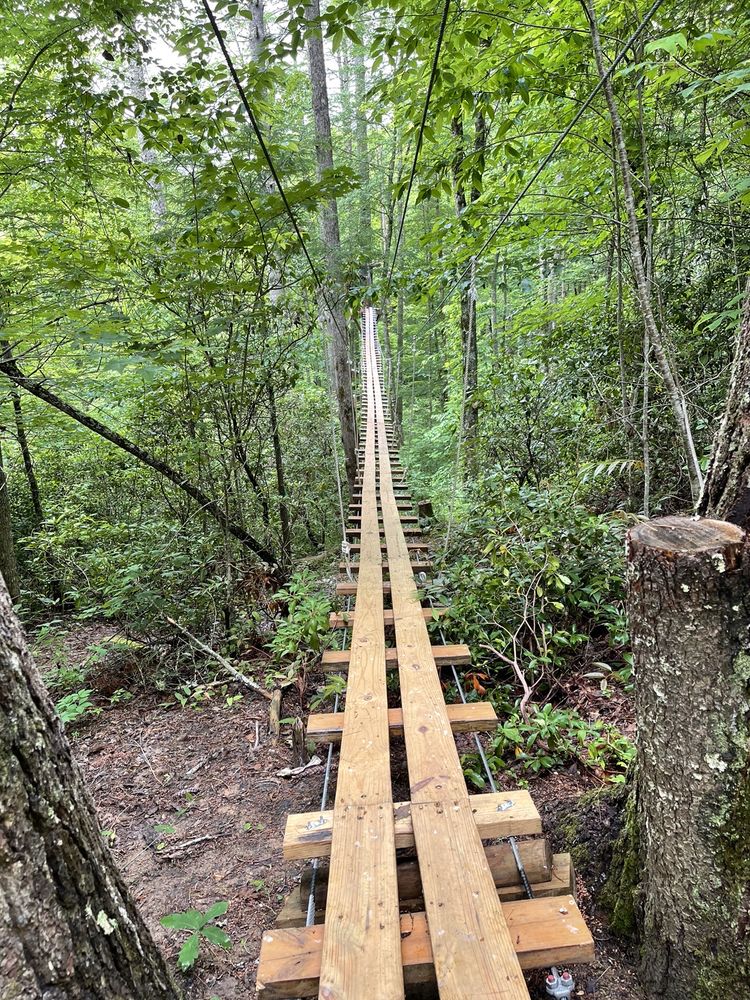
(549, 875)
(344, 619)
(541, 866)
(408, 529)
(542, 932)
(338, 659)
(411, 546)
(476, 717)
(361, 945)
(416, 564)
(473, 949)
(499, 814)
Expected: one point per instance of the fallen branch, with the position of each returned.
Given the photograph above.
(239, 677)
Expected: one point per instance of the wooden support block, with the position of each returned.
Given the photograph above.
(496, 814)
(536, 856)
(411, 546)
(344, 619)
(416, 565)
(338, 659)
(543, 931)
(348, 589)
(356, 519)
(548, 875)
(408, 529)
(475, 717)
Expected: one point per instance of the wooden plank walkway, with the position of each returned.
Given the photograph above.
(362, 943)
(453, 917)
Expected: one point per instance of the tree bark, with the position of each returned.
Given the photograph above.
(652, 330)
(332, 309)
(726, 491)
(286, 534)
(28, 462)
(363, 152)
(38, 389)
(68, 927)
(689, 605)
(465, 292)
(8, 564)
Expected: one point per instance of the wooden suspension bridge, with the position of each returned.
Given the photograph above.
(411, 895)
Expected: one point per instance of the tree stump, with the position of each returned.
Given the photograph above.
(689, 604)
(68, 926)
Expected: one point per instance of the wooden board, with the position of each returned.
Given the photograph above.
(416, 564)
(543, 932)
(408, 529)
(361, 944)
(549, 875)
(476, 717)
(412, 547)
(293, 912)
(497, 814)
(405, 519)
(338, 659)
(473, 949)
(344, 619)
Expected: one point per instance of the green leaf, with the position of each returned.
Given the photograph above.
(217, 910)
(122, 202)
(191, 920)
(670, 44)
(189, 952)
(216, 936)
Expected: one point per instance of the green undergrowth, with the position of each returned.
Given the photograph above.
(536, 580)
(550, 738)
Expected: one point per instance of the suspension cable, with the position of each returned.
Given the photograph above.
(420, 138)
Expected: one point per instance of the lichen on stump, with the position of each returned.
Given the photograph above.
(689, 606)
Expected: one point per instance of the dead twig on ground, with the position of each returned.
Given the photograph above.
(240, 677)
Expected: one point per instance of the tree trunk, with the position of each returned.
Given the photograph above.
(8, 564)
(333, 309)
(286, 536)
(38, 389)
(689, 604)
(726, 491)
(465, 291)
(68, 927)
(653, 332)
(363, 153)
(28, 462)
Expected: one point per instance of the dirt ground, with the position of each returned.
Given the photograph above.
(193, 805)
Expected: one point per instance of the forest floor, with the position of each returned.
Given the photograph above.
(194, 805)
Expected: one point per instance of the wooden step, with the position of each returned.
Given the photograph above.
(544, 932)
(338, 659)
(346, 619)
(416, 564)
(474, 717)
(412, 546)
(408, 529)
(405, 505)
(548, 874)
(356, 519)
(496, 814)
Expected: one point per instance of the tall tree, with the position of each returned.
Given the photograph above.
(332, 306)
(641, 277)
(726, 491)
(8, 564)
(68, 926)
